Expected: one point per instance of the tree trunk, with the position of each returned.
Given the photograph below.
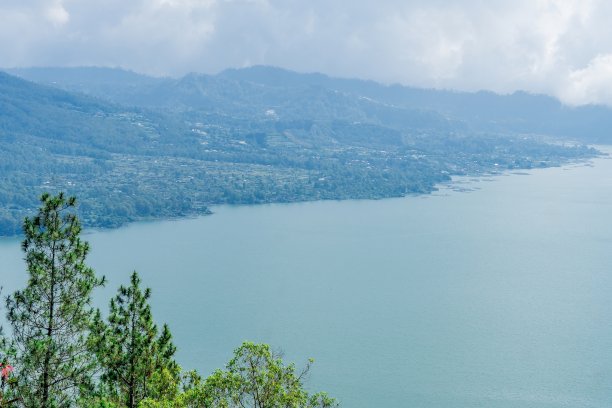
(47, 362)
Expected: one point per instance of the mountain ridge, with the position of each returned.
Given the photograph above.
(520, 111)
(176, 146)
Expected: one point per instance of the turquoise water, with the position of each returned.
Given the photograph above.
(499, 297)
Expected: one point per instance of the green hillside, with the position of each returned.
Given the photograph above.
(203, 140)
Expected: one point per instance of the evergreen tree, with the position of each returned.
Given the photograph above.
(50, 318)
(129, 349)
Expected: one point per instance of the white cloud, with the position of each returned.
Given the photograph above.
(560, 47)
(592, 84)
(57, 14)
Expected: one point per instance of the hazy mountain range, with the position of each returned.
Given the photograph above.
(135, 147)
(254, 90)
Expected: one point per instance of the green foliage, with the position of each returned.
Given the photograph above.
(8, 382)
(254, 378)
(93, 400)
(136, 362)
(50, 318)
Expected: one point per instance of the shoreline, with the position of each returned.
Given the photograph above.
(603, 152)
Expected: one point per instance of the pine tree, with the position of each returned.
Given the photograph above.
(51, 317)
(128, 347)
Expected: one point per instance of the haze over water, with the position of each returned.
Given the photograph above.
(500, 297)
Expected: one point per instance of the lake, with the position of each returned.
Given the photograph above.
(498, 297)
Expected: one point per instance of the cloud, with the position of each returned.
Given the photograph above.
(592, 84)
(559, 47)
(57, 14)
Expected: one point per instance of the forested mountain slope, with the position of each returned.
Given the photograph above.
(135, 147)
(258, 87)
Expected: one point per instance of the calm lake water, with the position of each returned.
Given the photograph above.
(499, 297)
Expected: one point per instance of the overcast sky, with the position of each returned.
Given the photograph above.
(559, 47)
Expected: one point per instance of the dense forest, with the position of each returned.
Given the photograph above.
(134, 147)
(62, 353)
